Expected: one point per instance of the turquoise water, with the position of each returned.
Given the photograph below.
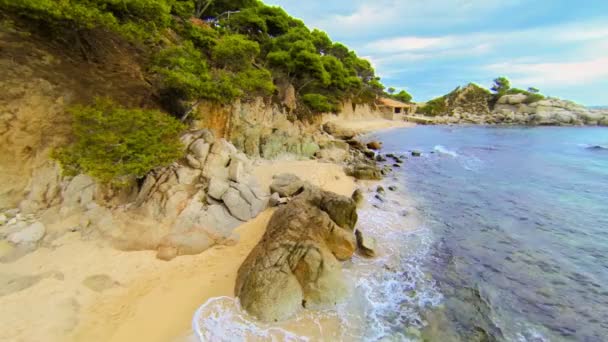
(519, 225)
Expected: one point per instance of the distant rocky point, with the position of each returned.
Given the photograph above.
(473, 104)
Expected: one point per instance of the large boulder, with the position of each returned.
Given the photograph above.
(364, 172)
(296, 264)
(338, 131)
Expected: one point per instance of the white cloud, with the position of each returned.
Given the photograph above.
(371, 18)
(552, 74)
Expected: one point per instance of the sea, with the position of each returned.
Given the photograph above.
(492, 234)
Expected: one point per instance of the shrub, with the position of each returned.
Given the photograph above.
(235, 52)
(534, 97)
(182, 70)
(319, 103)
(114, 144)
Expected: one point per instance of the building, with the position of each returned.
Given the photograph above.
(393, 109)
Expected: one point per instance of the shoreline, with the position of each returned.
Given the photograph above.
(85, 290)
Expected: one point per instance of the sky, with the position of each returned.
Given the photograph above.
(429, 47)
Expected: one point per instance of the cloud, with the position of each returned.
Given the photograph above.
(552, 74)
(380, 16)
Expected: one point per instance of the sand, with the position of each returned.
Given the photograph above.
(363, 126)
(85, 290)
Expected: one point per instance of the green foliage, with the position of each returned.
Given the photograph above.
(319, 103)
(534, 98)
(434, 107)
(182, 71)
(134, 19)
(255, 82)
(533, 90)
(501, 85)
(235, 52)
(402, 96)
(531, 97)
(114, 144)
(219, 50)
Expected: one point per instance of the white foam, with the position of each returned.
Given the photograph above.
(387, 292)
(442, 150)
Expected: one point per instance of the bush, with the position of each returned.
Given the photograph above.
(319, 103)
(134, 19)
(235, 52)
(533, 98)
(114, 144)
(182, 70)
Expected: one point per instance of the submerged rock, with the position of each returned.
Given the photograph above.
(416, 153)
(296, 264)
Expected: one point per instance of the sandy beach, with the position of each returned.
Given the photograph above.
(92, 292)
(83, 289)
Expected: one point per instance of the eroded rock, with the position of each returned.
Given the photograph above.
(296, 264)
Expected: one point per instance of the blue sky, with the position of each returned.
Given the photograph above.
(429, 47)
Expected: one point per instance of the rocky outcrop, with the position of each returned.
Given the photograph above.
(551, 111)
(474, 105)
(296, 264)
(181, 209)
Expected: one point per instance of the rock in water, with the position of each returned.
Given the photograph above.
(296, 264)
(374, 145)
(366, 247)
(416, 153)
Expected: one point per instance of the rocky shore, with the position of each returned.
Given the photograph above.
(68, 235)
(474, 105)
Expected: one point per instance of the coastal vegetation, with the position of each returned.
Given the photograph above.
(476, 95)
(115, 144)
(189, 51)
(215, 50)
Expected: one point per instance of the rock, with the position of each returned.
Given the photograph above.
(296, 264)
(396, 165)
(364, 172)
(286, 184)
(30, 234)
(380, 158)
(217, 161)
(3, 219)
(379, 197)
(416, 153)
(369, 154)
(374, 145)
(193, 162)
(217, 188)
(392, 188)
(514, 99)
(186, 175)
(235, 170)
(78, 194)
(338, 131)
(358, 197)
(366, 247)
(276, 200)
(237, 205)
(200, 150)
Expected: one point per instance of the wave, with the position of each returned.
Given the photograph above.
(442, 150)
(387, 293)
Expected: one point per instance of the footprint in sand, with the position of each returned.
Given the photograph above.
(100, 282)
